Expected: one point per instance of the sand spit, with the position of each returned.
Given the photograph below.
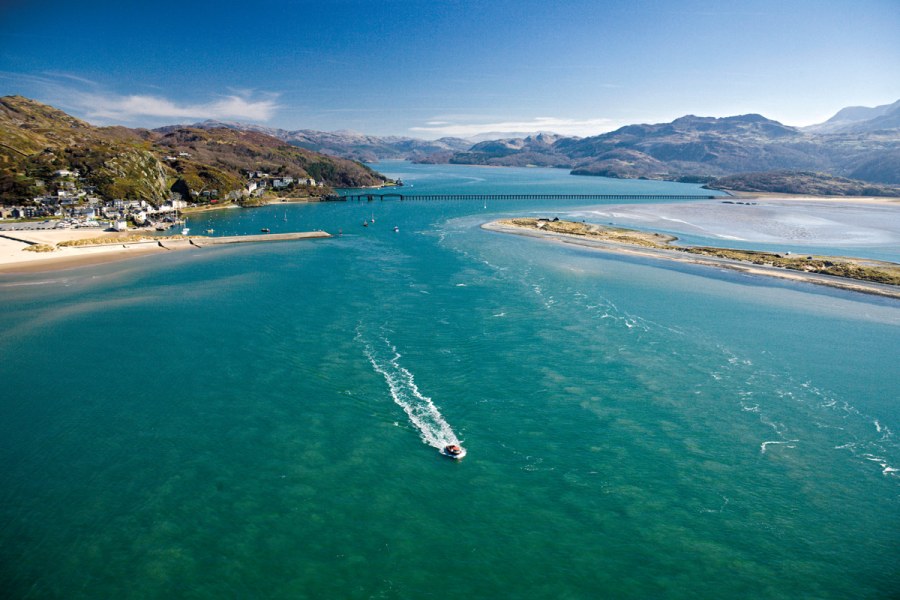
(649, 245)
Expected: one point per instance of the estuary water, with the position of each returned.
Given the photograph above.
(263, 420)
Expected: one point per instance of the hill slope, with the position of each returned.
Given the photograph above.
(38, 140)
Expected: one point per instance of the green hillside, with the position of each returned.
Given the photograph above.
(37, 140)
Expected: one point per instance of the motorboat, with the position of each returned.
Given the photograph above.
(454, 451)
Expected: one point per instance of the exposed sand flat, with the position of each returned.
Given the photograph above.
(765, 196)
(632, 249)
(798, 221)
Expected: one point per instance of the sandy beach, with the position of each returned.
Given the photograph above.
(675, 255)
(15, 259)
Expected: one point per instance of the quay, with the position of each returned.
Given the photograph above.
(492, 197)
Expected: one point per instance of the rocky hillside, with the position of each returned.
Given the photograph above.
(37, 140)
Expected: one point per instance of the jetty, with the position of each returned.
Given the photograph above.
(202, 241)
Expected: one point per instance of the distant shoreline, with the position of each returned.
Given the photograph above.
(634, 249)
(882, 200)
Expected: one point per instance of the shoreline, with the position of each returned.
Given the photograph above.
(624, 248)
(851, 200)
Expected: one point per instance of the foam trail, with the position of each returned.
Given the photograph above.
(422, 413)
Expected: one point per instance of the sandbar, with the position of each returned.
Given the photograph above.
(649, 251)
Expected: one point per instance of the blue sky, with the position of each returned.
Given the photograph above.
(442, 67)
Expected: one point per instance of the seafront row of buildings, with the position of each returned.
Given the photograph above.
(74, 203)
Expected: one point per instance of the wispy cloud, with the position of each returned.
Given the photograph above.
(93, 101)
(582, 127)
(131, 108)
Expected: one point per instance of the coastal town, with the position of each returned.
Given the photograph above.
(70, 202)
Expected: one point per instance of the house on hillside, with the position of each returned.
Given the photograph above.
(282, 183)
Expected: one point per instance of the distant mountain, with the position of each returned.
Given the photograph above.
(350, 144)
(859, 119)
(700, 149)
(39, 140)
(537, 150)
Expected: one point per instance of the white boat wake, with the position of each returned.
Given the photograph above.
(423, 414)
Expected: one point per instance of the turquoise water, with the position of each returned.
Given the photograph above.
(260, 420)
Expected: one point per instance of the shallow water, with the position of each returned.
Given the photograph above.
(261, 420)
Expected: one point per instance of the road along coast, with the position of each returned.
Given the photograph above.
(653, 245)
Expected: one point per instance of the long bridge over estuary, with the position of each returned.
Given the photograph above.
(492, 197)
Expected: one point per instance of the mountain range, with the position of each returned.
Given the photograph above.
(857, 151)
(858, 143)
(701, 149)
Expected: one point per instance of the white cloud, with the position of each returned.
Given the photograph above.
(581, 127)
(91, 100)
(130, 108)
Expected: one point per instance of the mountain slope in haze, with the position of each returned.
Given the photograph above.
(37, 140)
(349, 144)
(859, 119)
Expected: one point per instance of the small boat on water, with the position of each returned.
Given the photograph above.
(265, 230)
(454, 451)
(396, 229)
(365, 223)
